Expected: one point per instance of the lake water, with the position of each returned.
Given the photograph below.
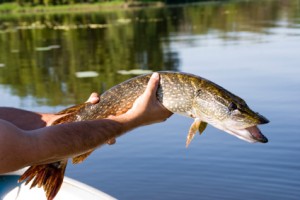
(251, 48)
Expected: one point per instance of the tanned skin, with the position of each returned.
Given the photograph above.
(26, 140)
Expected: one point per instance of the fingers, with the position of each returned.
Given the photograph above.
(151, 92)
(111, 141)
(152, 85)
(94, 98)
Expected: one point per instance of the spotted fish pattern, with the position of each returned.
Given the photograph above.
(176, 92)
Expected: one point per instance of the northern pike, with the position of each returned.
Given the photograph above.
(181, 93)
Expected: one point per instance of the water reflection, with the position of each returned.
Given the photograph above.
(122, 40)
(42, 61)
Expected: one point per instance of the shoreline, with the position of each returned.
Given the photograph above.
(13, 8)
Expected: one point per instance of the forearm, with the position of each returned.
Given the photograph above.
(21, 118)
(26, 120)
(68, 140)
(23, 148)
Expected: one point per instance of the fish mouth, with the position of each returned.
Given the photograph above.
(251, 134)
(256, 134)
(262, 119)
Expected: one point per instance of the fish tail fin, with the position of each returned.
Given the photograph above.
(50, 176)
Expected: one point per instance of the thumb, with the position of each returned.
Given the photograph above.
(152, 85)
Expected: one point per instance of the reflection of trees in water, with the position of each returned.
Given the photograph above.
(108, 42)
(96, 42)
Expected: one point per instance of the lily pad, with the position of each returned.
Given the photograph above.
(86, 74)
(48, 48)
(134, 72)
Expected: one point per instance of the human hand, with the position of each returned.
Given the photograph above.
(146, 109)
(50, 118)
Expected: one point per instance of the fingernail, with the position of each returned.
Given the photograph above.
(155, 75)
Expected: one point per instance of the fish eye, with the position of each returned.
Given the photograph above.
(232, 106)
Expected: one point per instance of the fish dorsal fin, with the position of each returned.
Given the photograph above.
(70, 114)
(197, 125)
(72, 109)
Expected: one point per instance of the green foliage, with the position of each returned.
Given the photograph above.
(66, 2)
(58, 6)
(6, 7)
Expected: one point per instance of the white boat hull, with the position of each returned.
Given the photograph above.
(71, 189)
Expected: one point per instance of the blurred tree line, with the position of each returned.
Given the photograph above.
(68, 2)
(54, 2)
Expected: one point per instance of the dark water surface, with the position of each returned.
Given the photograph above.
(249, 47)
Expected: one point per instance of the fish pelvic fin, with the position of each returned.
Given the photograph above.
(49, 176)
(197, 125)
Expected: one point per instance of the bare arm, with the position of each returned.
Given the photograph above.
(19, 148)
(24, 119)
(29, 120)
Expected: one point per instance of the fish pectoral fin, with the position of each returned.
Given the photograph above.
(202, 127)
(193, 129)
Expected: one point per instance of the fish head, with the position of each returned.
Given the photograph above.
(228, 112)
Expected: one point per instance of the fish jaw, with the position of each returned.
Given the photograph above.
(257, 135)
(251, 134)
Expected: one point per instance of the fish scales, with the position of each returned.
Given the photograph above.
(175, 92)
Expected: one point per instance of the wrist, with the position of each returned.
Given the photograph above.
(126, 122)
